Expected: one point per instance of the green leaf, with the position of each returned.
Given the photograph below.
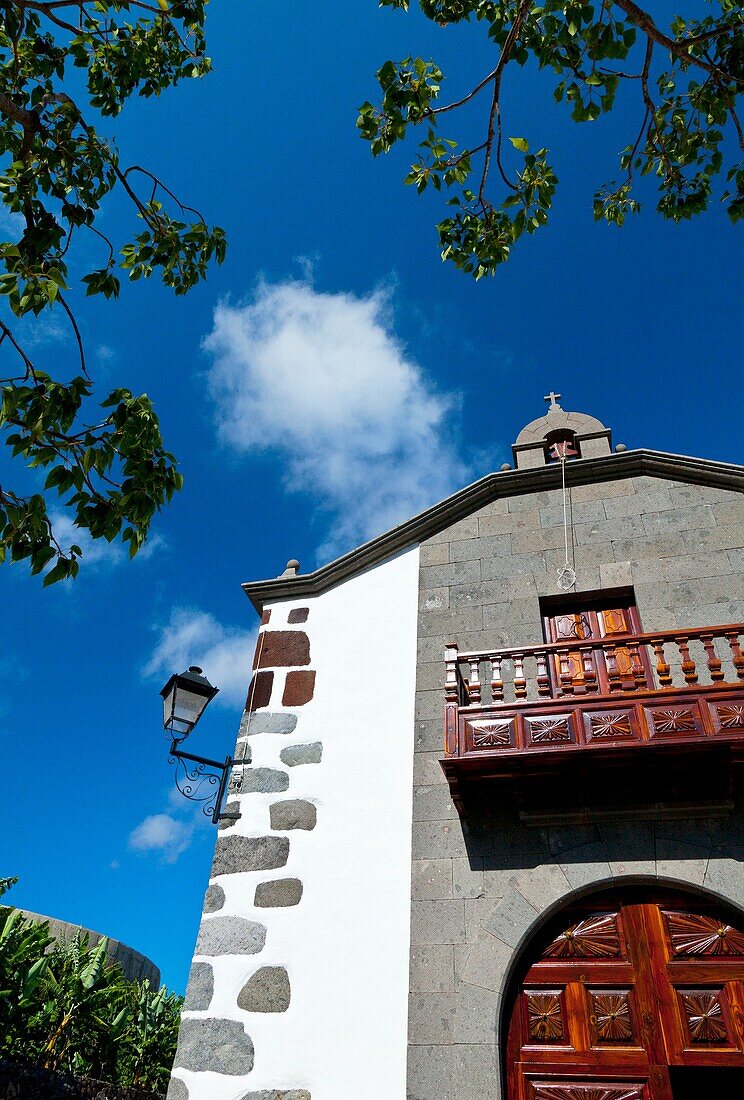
(520, 143)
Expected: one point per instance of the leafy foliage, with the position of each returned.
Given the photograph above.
(64, 1006)
(56, 170)
(687, 80)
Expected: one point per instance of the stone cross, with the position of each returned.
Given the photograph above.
(553, 399)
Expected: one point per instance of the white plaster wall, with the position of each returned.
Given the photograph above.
(346, 945)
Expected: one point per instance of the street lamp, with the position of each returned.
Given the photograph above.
(185, 698)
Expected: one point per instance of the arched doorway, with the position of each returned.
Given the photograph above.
(630, 996)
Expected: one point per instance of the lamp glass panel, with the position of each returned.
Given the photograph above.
(188, 706)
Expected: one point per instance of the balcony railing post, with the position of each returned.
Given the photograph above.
(688, 665)
(567, 680)
(588, 668)
(714, 661)
(520, 683)
(452, 674)
(497, 684)
(662, 668)
(613, 672)
(543, 680)
(474, 685)
(637, 667)
(453, 694)
(732, 638)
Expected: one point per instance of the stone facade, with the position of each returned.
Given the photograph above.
(481, 886)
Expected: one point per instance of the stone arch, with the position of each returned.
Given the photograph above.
(578, 423)
(535, 895)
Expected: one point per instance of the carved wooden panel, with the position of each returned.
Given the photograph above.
(544, 1016)
(596, 937)
(674, 721)
(493, 733)
(611, 725)
(700, 935)
(730, 716)
(550, 731)
(703, 1009)
(610, 1016)
(577, 1090)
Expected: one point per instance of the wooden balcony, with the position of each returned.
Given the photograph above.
(596, 708)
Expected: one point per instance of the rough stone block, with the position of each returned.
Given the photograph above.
(431, 879)
(278, 1094)
(200, 989)
(298, 615)
(459, 572)
(487, 963)
(543, 886)
(264, 780)
(295, 813)
(432, 968)
(283, 648)
(271, 722)
(229, 815)
(427, 771)
(236, 854)
(298, 689)
(294, 755)
(511, 918)
(437, 922)
(177, 1090)
(434, 599)
(434, 553)
(221, 1046)
(278, 893)
(467, 878)
(230, 936)
(433, 804)
(452, 1072)
(476, 1014)
(463, 529)
(268, 990)
(259, 692)
(431, 1017)
(214, 898)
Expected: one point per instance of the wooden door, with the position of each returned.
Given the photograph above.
(623, 993)
(597, 623)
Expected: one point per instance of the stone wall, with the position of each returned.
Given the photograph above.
(480, 887)
(135, 966)
(23, 1082)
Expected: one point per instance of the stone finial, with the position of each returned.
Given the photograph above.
(620, 448)
(293, 568)
(505, 466)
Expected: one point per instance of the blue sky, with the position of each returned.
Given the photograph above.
(330, 379)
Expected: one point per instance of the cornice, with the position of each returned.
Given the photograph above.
(506, 483)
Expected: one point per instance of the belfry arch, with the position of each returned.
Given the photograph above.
(630, 990)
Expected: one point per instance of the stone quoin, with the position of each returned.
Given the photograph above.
(484, 836)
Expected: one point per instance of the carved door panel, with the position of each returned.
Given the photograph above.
(619, 996)
(587, 669)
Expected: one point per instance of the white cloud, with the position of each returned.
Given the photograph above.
(323, 380)
(162, 833)
(196, 637)
(98, 551)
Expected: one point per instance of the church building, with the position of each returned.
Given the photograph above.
(484, 839)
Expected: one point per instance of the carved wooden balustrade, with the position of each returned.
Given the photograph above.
(512, 711)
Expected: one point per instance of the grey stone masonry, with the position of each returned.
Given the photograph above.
(230, 936)
(267, 990)
(264, 781)
(177, 1090)
(267, 722)
(278, 1094)
(200, 989)
(221, 1046)
(295, 813)
(481, 885)
(302, 754)
(214, 898)
(235, 854)
(279, 893)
